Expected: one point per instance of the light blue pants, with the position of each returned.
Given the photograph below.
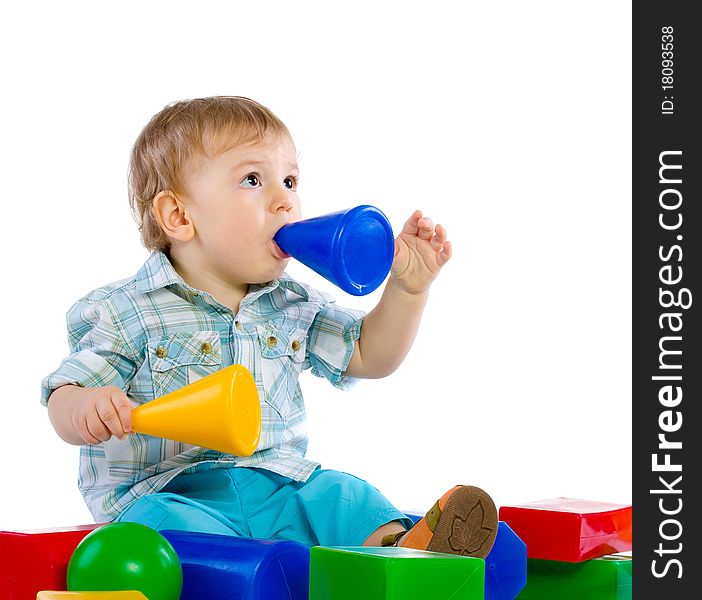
(331, 508)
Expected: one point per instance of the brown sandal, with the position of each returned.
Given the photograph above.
(463, 521)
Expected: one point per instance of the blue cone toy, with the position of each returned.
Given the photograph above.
(352, 248)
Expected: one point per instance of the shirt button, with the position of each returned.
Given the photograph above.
(161, 352)
(272, 342)
(238, 325)
(295, 345)
(206, 348)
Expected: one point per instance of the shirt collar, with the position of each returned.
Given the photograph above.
(158, 272)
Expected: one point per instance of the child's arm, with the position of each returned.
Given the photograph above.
(90, 415)
(388, 331)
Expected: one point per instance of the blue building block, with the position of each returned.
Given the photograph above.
(505, 566)
(222, 567)
(413, 517)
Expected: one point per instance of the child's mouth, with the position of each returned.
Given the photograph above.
(278, 251)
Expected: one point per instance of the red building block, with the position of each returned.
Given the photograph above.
(570, 530)
(36, 560)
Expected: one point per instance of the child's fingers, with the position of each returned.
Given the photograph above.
(79, 421)
(124, 409)
(411, 225)
(445, 254)
(96, 426)
(439, 238)
(426, 228)
(81, 428)
(108, 415)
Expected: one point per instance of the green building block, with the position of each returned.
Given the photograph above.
(355, 572)
(603, 578)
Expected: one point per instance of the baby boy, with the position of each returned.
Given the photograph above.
(211, 182)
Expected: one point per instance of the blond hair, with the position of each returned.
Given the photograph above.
(174, 136)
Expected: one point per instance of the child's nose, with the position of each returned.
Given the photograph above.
(280, 199)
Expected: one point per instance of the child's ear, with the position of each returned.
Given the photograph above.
(172, 216)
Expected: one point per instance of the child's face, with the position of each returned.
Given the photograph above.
(237, 201)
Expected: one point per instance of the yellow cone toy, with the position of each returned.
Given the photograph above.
(220, 412)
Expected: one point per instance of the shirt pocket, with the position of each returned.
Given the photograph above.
(182, 358)
(282, 355)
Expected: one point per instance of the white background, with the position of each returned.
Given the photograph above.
(508, 122)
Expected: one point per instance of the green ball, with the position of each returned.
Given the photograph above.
(126, 556)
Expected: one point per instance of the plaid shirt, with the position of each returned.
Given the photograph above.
(115, 331)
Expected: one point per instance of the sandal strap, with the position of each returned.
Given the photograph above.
(392, 538)
(433, 515)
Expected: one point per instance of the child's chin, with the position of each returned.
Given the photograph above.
(272, 274)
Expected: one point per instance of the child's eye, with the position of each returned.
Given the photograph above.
(290, 183)
(250, 181)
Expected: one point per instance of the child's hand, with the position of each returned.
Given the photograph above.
(103, 412)
(420, 252)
